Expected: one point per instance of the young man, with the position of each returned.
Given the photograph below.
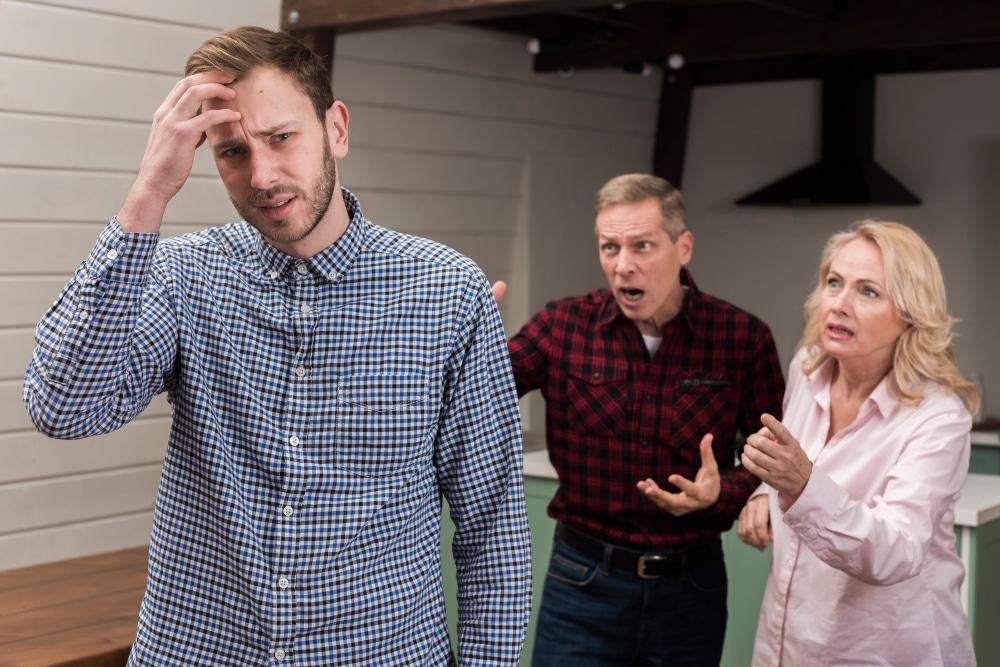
(330, 380)
(646, 383)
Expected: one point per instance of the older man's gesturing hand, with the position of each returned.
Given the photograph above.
(774, 455)
(696, 495)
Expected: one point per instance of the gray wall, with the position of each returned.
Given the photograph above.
(938, 133)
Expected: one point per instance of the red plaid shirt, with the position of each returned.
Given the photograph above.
(615, 416)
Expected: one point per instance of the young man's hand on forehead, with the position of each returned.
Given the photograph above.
(178, 128)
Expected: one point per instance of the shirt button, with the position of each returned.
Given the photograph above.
(332, 275)
(306, 308)
(283, 583)
(112, 254)
(279, 654)
(596, 376)
(300, 371)
(288, 510)
(274, 275)
(644, 443)
(301, 269)
(294, 441)
(83, 315)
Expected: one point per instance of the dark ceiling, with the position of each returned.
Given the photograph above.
(702, 42)
(722, 39)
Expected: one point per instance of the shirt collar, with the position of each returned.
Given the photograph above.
(882, 398)
(691, 315)
(330, 263)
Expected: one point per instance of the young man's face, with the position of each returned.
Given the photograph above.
(642, 263)
(278, 161)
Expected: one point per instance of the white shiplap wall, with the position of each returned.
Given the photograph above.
(79, 81)
(452, 137)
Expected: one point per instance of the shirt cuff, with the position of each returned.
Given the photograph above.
(813, 507)
(121, 257)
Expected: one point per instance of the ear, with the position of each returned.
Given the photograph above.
(685, 244)
(337, 119)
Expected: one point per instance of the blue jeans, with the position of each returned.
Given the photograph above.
(593, 614)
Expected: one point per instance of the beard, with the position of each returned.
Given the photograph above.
(317, 200)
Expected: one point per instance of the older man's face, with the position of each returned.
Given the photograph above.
(642, 263)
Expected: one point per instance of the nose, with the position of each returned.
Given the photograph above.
(624, 263)
(841, 301)
(263, 170)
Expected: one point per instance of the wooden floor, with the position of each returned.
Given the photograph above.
(79, 612)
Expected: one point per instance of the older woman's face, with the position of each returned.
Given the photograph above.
(861, 325)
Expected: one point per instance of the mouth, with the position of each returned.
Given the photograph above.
(630, 295)
(276, 207)
(839, 332)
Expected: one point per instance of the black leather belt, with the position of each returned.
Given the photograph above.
(645, 564)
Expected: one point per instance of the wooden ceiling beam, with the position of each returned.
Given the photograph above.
(743, 32)
(930, 59)
(803, 9)
(348, 15)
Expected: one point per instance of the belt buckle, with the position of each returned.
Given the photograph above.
(641, 568)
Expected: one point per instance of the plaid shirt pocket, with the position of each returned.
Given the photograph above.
(597, 401)
(382, 422)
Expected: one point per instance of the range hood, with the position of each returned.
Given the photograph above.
(846, 173)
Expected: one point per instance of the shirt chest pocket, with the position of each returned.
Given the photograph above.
(383, 422)
(705, 403)
(597, 401)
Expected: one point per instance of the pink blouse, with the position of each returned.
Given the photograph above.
(864, 570)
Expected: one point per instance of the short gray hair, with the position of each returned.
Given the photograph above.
(635, 188)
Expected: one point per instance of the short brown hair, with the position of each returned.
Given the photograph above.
(634, 188)
(240, 50)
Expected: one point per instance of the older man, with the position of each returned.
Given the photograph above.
(646, 383)
(330, 380)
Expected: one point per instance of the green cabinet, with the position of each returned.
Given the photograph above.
(985, 460)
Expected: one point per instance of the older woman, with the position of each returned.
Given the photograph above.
(862, 476)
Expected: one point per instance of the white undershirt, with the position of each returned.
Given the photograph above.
(652, 343)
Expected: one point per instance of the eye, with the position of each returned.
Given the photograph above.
(832, 283)
(869, 292)
(608, 247)
(281, 137)
(235, 151)
(643, 245)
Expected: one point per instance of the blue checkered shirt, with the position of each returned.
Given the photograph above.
(321, 408)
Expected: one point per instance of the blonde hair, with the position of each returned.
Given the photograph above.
(916, 287)
(634, 188)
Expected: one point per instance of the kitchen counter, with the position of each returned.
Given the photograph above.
(990, 438)
(536, 464)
